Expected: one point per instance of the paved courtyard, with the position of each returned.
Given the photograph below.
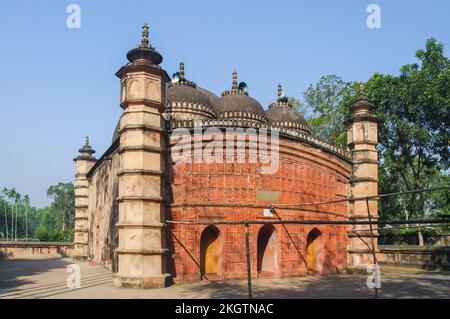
(46, 278)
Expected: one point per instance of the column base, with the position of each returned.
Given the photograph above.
(125, 281)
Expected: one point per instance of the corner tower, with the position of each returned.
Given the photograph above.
(362, 131)
(84, 163)
(142, 253)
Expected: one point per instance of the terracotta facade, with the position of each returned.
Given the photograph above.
(228, 192)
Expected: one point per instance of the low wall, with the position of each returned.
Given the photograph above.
(24, 249)
(430, 257)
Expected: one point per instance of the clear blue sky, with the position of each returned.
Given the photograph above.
(58, 84)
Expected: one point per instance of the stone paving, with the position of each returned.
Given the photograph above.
(46, 278)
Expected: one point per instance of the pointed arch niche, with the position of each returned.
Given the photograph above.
(314, 251)
(268, 252)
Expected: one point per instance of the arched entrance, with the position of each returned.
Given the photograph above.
(267, 251)
(314, 251)
(209, 250)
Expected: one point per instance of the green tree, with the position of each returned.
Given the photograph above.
(63, 204)
(18, 217)
(326, 105)
(49, 228)
(413, 108)
(414, 132)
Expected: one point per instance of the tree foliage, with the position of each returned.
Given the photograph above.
(63, 204)
(414, 131)
(325, 107)
(19, 220)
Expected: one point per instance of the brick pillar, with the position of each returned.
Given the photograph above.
(142, 253)
(362, 131)
(84, 163)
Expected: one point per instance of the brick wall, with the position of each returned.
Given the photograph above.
(227, 192)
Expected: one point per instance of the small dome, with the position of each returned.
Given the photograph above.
(235, 104)
(239, 103)
(186, 101)
(186, 93)
(281, 115)
(214, 99)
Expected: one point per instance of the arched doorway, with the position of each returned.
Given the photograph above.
(267, 251)
(209, 250)
(314, 251)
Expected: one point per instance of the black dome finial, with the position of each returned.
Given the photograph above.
(144, 38)
(182, 69)
(281, 99)
(234, 80)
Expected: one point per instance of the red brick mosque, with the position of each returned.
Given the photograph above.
(133, 202)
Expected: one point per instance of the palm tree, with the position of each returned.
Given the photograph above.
(15, 196)
(27, 204)
(6, 217)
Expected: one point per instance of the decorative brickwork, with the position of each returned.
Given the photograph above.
(228, 192)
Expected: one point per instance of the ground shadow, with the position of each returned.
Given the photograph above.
(14, 272)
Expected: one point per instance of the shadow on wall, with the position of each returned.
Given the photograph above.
(112, 240)
(170, 236)
(268, 252)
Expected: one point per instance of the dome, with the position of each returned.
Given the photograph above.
(213, 99)
(239, 103)
(186, 101)
(181, 92)
(236, 104)
(281, 115)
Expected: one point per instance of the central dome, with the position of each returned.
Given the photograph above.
(236, 104)
(186, 101)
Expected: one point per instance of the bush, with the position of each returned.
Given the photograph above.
(54, 235)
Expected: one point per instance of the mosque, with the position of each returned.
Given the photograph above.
(160, 206)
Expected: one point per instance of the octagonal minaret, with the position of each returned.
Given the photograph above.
(362, 131)
(84, 162)
(142, 252)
